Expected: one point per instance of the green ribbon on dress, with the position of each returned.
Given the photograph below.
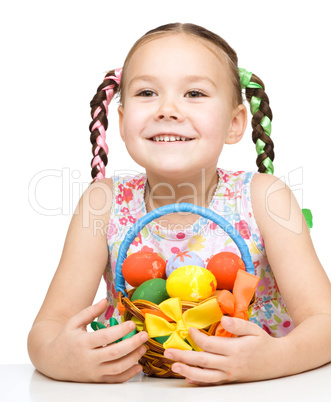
(96, 325)
(308, 217)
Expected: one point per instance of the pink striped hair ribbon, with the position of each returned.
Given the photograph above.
(101, 139)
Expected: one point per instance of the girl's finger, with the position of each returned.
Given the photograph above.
(212, 344)
(240, 327)
(201, 359)
(86, 316)
(199, 375)
(125, 376)
(124, 363)
(106, 336)
(123, 348)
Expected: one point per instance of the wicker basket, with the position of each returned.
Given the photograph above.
(153, 361)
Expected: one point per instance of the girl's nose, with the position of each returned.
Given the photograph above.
(170, 116)
(169, 110)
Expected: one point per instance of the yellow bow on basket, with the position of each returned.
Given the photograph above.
(201, 316)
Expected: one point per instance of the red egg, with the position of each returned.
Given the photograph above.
(141, 266)
(225, 266)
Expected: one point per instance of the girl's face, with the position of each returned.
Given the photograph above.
(176, 87)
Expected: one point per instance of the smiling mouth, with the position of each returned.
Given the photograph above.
(170, 138)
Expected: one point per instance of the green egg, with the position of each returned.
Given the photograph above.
(162, 339)
(153, 290)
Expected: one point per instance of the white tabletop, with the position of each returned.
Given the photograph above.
(22, 383)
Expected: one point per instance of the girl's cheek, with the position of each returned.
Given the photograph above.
(129, 121)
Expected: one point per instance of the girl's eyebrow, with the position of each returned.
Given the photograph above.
(142, 78)
(199, 78)
(187, 79)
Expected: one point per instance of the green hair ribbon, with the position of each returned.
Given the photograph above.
(245, 77)
(245, 81)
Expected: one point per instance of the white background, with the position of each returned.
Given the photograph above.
(55, 54)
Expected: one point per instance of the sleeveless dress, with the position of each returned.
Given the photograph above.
(231, 200)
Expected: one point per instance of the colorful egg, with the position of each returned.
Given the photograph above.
(153, 290)
(142, 266)
(225, 266)
(191, 283)
(183, 258)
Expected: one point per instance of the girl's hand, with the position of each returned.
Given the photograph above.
(245, 358)
(78, 355)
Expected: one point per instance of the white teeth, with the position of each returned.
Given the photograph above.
(168, 138)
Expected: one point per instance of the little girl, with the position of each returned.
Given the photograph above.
(180, 102)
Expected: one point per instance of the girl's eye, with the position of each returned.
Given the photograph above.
(194, 94)
(146, 93)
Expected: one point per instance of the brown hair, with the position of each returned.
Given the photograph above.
(228, 54)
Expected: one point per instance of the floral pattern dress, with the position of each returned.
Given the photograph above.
(231, 200)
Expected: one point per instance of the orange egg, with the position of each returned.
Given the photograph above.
(225, 266)
(141, 266)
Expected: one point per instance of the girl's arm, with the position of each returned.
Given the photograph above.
(58, 343)
(300, 276)
(305, 287)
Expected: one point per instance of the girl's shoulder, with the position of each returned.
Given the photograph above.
(99, 194)
(267, 188)
(96, 202)
(274, 205)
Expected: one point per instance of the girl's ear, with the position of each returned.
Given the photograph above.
(238, 125)
(120, 115)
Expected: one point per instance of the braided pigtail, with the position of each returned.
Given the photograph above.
(261, 120)
(99, 111)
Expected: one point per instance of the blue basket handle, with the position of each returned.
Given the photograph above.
(169, 209)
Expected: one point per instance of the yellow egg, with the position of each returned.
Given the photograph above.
(191, 283)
